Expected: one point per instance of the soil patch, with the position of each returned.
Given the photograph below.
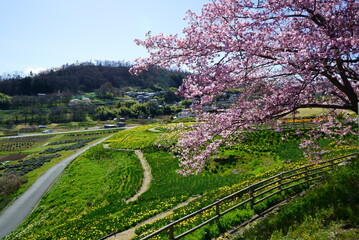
(12, 157)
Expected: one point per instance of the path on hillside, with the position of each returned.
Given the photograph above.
(130, 233)
(19, 209)
(147, 176)
(154, 129)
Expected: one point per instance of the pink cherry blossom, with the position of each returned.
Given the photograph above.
(282, 56)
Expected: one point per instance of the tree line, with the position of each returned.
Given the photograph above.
(88, 77)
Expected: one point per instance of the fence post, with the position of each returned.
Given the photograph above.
(218, 214)
(251, 203)
(280, 182)
(306, 174)
(332, 166)
(172, 231)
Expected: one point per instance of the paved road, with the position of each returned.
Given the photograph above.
(13, 216)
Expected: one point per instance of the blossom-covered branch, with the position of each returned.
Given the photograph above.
(281, 55)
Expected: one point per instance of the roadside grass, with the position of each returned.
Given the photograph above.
(36, 173)
(40, 144)
(328, 211)
(96, 182)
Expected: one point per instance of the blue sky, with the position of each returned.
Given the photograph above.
(41, 34)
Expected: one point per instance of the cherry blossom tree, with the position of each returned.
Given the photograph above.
(282, 56)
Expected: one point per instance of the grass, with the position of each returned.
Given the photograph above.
(87, 202)
(91, 186)
(329, 211)
(167, 183)
(167, 190)
(136, 138)
(310, 112)
(262, 150)
(225, 222)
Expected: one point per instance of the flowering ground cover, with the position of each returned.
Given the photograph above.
(88, 201)
(136, 138)
(110, 211)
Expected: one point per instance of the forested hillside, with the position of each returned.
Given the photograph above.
(88, 77)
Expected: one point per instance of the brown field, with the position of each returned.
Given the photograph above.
(12, 157)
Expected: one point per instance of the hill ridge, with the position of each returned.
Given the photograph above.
(88, 77)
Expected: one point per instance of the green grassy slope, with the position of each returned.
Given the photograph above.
(89, 189)
(329, 211)
(88, 200)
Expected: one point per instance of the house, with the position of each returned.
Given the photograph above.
(142, 97)
(185, 113)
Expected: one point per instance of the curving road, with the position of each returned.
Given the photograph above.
(13, 216)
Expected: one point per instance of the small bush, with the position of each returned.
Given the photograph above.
(10, 183)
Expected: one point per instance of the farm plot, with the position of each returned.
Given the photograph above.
(79, 143)
(21, 143)
(11, 157)
(46, 151)
(95, 133)
(61, 142)
(28, 165)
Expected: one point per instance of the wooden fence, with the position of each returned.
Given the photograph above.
(255, 194)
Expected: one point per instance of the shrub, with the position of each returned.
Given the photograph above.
(10, 183)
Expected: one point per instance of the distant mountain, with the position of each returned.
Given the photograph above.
(87, 77)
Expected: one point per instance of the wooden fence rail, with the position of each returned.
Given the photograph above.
(255, 194)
